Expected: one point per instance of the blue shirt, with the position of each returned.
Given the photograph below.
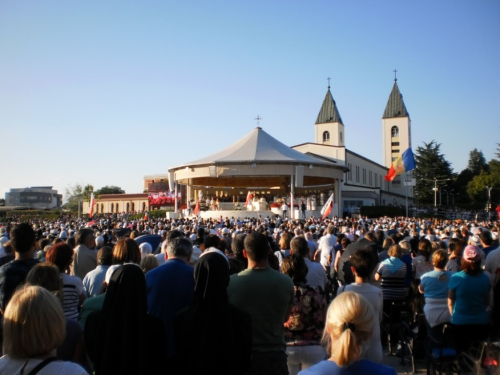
(433, 286)
(471, 293)
(363, 366)
(170, 288)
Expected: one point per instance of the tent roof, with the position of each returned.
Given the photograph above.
(259, 146)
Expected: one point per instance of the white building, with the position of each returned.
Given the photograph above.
(364, 183)
(40, 197)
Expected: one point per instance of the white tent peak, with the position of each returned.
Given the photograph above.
(258, 146)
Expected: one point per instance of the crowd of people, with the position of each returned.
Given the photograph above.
(239, 296)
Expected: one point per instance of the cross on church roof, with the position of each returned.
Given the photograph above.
(395, 77)
(258, 118)
(328, 83)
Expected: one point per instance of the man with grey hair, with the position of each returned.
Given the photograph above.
(170, 287)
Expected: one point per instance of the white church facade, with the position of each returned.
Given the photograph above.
(364, 184)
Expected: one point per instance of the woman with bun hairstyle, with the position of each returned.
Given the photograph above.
(349, 323)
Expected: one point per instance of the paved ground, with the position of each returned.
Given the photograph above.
(406, 368)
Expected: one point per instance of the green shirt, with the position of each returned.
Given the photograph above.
(267, 296)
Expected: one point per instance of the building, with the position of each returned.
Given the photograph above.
(260, 164)
(364, 184)
(37, 197)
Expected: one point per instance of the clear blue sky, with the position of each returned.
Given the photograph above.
(105, 92)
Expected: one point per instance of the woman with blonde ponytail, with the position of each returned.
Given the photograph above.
(349, 322)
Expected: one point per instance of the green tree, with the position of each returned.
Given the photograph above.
(75, 194)
(430, 165)
(477, 162)
(109, 190)
(477, 188)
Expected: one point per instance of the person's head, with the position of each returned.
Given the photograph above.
(455, 247)
(405, 247)
(126, 251)
(330, 229)
(179, 248)
(23, 238)
(285, 241)
(60, 255)
(174, 234)
(105, 256)
(211, 278)
(345, 242)
(148, 263)
(99, 242)
(471, 260)
(388, 242)
(211, 240)
(425, 248)
(46, 275)
(486, 238)
(299, 246)
(145, 249)
(349, 321)
(86, 237)
(256, 246)
(394, 251)
(439, 259)
(34, 323)
(295, 267)
(237, 245)
(361, 261)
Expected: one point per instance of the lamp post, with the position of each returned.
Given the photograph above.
(488, 204)
(435, 188)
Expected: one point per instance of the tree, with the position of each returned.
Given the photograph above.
(477, 188)
(109, 190)
(430, 165)
(477, 162)
(75, 194)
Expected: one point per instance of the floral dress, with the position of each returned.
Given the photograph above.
(307, 319)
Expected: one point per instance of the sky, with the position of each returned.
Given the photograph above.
(106, 92)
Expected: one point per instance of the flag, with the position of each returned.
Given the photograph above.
(92, 202)
(146, 216)
(249, 198)
(197, 208)
(327, 208)
(402, 164)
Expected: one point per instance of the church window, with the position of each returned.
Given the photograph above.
(394, 132)
(349, 175)
(395, 151)
(341, 139)
(112, 207)
(326, 137)
(102, 208)
(357, 174)
(370, 177)
(133, 207)
(395, 144)
(364, 176)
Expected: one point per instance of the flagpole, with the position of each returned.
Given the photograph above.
(406, 183)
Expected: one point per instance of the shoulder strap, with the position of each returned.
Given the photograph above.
(41, 365)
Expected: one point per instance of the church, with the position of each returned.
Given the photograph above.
(364, 184)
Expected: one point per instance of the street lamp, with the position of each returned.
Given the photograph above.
(435, 188)
(488, 204)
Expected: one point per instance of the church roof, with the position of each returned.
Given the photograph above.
(395, 106)
(259, 146)
(329, 111)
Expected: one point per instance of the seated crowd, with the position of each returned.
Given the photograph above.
(254, 296)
